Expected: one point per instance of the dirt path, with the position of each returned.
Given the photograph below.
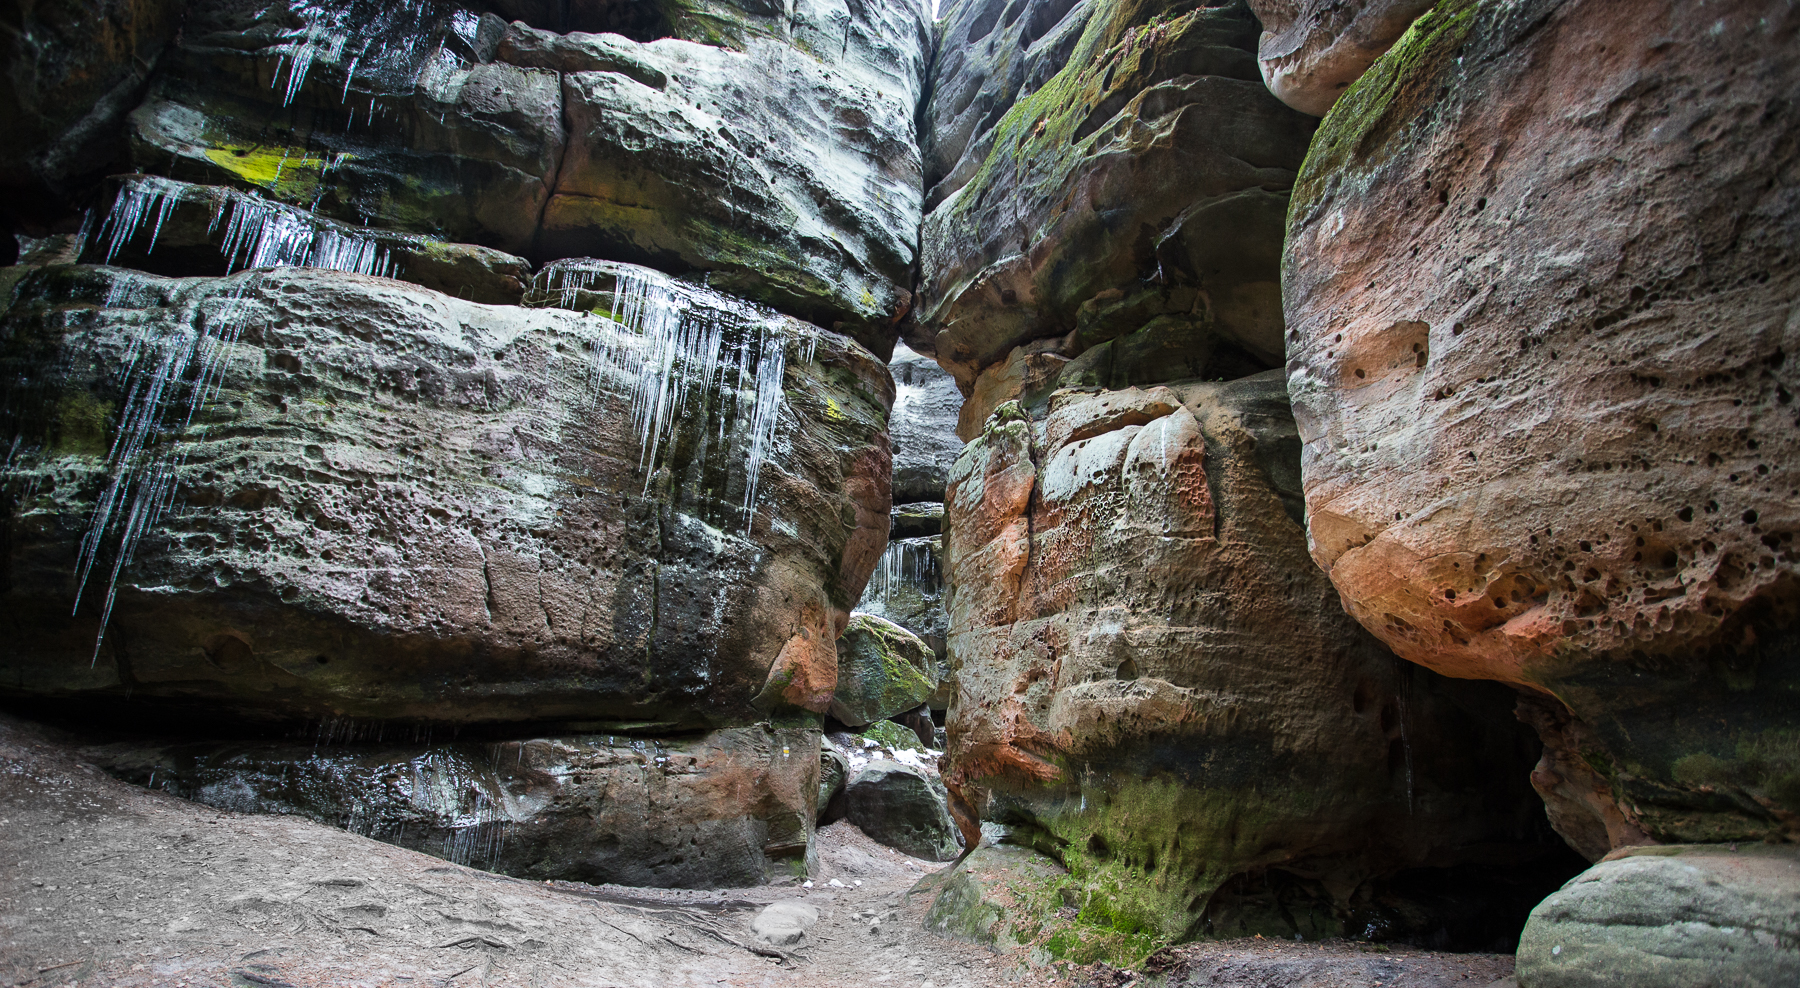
(105, 883)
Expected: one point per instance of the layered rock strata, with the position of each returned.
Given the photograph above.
(731, 809)
(1119, 169)
(396, 505)
(1539, 289)
(800, 191)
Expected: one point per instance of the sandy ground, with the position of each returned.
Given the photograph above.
(105, 883)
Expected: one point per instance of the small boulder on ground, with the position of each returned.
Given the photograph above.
(834, 771)
(785, 922)
(883, 670)
(994, 892)
(898, 806)
(1671, 916)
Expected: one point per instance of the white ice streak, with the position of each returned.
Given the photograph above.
(258, 233)
(906, 563)
(677, 345)
(169, 376)
(386, 34)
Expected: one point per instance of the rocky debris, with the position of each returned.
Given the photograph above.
(74, 70)
(408, 507)
(1672, 916)
(784, 923)
(999, 897)
(174, 228)
(923, 427)
(801, 191)
(732, 808)
(1312, 50)
(1540, 353)
(1151, 680)
(1261, 963)
(901, 807)
(1139, 174)
(883, 671)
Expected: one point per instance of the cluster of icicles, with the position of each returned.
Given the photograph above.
(906, 563)
(673, 346)
(258, 233)
(679, 344)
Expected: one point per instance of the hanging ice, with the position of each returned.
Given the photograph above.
(680, 347)
(258, 233)
(906, 563)
(168, 376)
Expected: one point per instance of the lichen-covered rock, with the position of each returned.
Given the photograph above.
(899, 806)
(883, 670)
(350, 496)
(998, 896)
(923, 428)
(1129, 165)
(373, 112)
(73, 70)
(1540, 288)
(1153, 685)
(1312, 50)
(800, 191)
(174, 228)
(1675, 916)
(732, 808)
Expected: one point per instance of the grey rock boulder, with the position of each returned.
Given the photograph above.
(898, 806)
(1312, 50)
(784, 923)
(883, 670)
(1671, 916)
(728, 809)
(834, 774)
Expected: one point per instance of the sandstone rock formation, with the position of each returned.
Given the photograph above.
(1671, 917)
(410, 507)
(1154, 687)
(1540, 285)
(883, 671)
(902, 808)
(1312, 50)
(800, 191)
(1095, 167)
(986, 898)
(733, 808)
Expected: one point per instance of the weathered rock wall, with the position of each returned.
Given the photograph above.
(393, 504)
(1540, 285)
(305, 438)
(1152, 680)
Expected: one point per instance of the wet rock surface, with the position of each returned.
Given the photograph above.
(1145, 665)
(1539, 354)
(903, 808)
(923, 428)
(732, 808)
(404, 506)
(1673, 915)
(1139, 174)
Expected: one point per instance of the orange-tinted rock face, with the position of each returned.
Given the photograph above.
(1540, 291)
(1152, 677)
(1312, 50)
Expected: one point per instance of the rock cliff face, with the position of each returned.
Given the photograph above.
(1540, 286)
(392, 504)
(1151, 684)
(800, 190)
(1151, 681)
(440, 364)
(1086, 163)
